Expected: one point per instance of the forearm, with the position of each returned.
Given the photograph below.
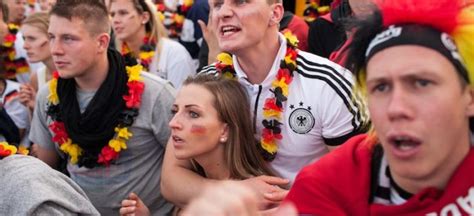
(182, 185)
(179, 183)
(50, 157)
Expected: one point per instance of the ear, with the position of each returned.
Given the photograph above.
(276, 13)
(145, 17)
(103, 41)
(470, 101)
(224, 133)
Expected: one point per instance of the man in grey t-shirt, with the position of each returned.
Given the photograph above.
(96, 100)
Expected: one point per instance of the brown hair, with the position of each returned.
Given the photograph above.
(92, 12)
(39, 20)
(232, 105)
(4, 10)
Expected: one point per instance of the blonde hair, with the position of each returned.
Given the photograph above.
(231, 102)
(154, 27)
(39, 20)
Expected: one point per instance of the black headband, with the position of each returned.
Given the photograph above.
(418, 35)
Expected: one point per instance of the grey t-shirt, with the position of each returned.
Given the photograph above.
(138, 168)
(31, 187)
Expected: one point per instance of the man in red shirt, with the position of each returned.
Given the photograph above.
(414, 62)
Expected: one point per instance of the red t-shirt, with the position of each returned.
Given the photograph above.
(339, 184)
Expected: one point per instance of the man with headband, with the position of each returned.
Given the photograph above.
(417, 76)
(414, 61)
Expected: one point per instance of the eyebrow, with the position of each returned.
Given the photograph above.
(408, 76)
(190, 105)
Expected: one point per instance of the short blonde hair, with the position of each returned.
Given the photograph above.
(39, 20)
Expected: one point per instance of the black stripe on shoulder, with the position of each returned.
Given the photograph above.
(346, 99)
(321, 67)
(340, 140)
(208, 69)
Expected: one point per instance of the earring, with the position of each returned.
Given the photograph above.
(223, 139)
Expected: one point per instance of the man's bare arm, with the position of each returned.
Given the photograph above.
(50, 157)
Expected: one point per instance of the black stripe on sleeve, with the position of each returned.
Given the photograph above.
(340, 140)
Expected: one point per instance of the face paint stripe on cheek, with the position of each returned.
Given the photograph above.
(198, 129)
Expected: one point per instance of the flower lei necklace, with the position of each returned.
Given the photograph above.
(12, 65)
(7, 150)
(273, 106)
(111, 151)
(147, 51)
(174, 20)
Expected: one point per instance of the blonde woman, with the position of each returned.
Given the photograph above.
(35, 34)
(139, 34)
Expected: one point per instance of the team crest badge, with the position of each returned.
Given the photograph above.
(301, 119)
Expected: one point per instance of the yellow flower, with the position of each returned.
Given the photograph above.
(289, 61)
(123, 133)
(291, 38)
(117, 145)
(225, 58)
(324, 9)
(146, 55)
(73, 150)
(272, 113)
(188, 2)
(11, 55)
(179, 18)
(161, 16)
(269, 146)
(229, 75)
(23, 150)
(12, 26)
(282, 84)
(9, 44)
(134, 72)
(23, 69)
(53, 95)
(8, 147)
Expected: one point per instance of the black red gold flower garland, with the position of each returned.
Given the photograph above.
(111, 151)
(12, 66)
(147, 51)
(273, 106)
(7, 150)
(314, 10)
(173, 20)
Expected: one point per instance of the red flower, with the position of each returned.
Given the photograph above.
(135, 90)
(59, 130)
(270, 104)
(291, 52)
(161, 7)
(268, 135)
(4, 152)
(284, 73)
(107, 155)
(55, 74)
(10, 38)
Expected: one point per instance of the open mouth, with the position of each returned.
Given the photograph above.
(177, 139)
(404, 146)
(229, 30)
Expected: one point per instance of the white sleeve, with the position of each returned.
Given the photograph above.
(18, 113)
(179, 64)
(340, 115)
